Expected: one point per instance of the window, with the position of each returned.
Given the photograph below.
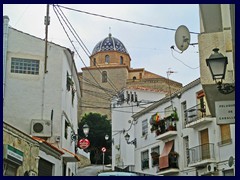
(184, 112)
(94, 61)
(9, 169)
(225, 134)
(134, 78)
(107, 59)
(145, 160)
(104, 76)
(186, 149)
(66, 129)
(25, 66)
(121, 60)
(144, 127)
(155, 156)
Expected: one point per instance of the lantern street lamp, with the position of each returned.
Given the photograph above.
(127, 137)
(217, 64)
(107, 137)
(85, 129)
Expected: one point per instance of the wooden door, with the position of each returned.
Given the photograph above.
(205, 149)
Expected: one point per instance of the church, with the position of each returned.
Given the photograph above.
(110, 72)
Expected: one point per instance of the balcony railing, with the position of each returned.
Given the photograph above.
(201, 153)
(194, 113)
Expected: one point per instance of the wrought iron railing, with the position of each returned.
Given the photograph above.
(194, 113)
(202, 152)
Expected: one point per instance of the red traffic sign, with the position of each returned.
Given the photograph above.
(103, 149)
(83, 143)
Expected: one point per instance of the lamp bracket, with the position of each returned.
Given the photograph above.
(225, 88)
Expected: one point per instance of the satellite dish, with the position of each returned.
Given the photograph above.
(230, 161)
(182, 38)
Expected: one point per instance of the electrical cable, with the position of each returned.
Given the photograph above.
(87, 53)
(182, 61)
(118, 19)
(75, 47)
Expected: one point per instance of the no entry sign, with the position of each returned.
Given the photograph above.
(83, 143)
(104, 149)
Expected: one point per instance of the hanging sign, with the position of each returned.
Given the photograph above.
(83, 143)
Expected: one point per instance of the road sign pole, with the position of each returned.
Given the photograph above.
(103, 161)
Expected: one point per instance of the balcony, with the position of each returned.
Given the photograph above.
(172, 165)
(202, 155)
(196, 116)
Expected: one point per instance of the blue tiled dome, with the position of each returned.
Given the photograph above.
(109, 44)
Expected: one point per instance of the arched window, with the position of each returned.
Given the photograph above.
(94, 61)
(107, 59)
(134, 78)
(104, 76)
(121, 60)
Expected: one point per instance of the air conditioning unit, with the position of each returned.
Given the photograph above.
(41, 128)
(210, 168)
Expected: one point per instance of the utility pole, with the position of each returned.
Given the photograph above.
(46, 22)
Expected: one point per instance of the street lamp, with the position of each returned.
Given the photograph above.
(134, 142)
(107, 137)
(217, 64)
(85, 129)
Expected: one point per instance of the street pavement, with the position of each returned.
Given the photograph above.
(91, 170)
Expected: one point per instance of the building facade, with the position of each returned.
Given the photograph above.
(41, 97)
(110, 72)
(122, 123)
(178, 136)
(217, 30)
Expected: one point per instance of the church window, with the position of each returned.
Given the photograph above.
(121, 60)
(104, 76)
(107, 59)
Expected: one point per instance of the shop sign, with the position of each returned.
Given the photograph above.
(225, 112)
(13, 154)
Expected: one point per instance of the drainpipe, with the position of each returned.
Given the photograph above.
(5, 49)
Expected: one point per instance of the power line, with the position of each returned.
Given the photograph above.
(87, 53)
(55, 10)
(182, 61)
(123, 20)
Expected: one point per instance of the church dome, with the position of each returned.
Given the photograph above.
(109, 44)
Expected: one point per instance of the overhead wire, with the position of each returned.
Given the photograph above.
(87, 51)
(123, 20)
(55, 10)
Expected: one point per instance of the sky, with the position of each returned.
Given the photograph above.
(148, 47)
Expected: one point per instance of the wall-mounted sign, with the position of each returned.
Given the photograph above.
(225, 112)
(12, 154)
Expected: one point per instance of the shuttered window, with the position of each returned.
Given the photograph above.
(44, 168)
(225, 133)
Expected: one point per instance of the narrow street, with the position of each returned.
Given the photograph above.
(91, 170)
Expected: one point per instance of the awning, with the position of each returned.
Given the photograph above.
(69, 156)
(163, 160)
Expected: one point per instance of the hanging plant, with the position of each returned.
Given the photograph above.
(174, 115)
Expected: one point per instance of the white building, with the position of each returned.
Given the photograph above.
(39, 103)
(133, 100)
(190, 143)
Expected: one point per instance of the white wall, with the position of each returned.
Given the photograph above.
(30, 97)
(122, 120)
